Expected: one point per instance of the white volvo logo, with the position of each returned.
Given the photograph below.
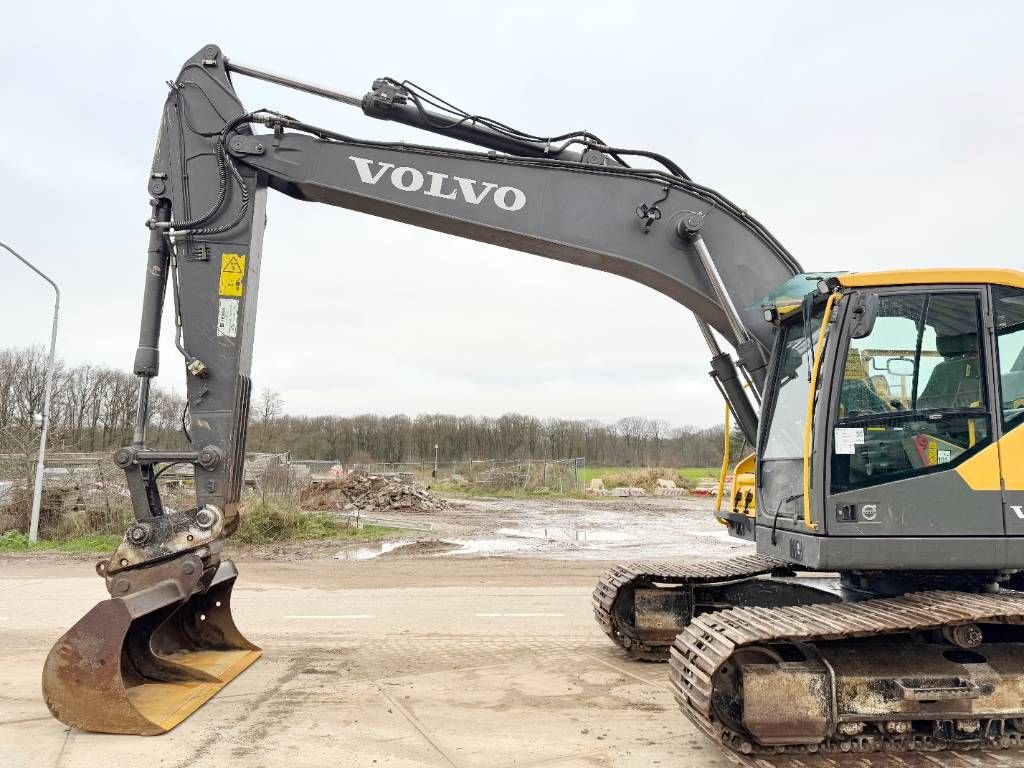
(1018, 510)
(409, 179)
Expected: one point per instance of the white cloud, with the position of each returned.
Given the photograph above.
(865, 138)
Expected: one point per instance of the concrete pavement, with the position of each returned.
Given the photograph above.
(477, 675)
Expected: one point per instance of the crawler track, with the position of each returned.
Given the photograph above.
(621, 579)
(711, 640)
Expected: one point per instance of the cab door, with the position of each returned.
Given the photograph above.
(1008, 321)
(912, 407)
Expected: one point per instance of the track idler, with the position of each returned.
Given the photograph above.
(144, 660)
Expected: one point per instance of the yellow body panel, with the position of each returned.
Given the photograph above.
(1011, 448)
(981, 472)
(744, 480)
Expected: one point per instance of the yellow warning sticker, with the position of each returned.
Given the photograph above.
(232, 270)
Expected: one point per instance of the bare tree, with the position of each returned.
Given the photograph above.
(266, 411)
(269, 406)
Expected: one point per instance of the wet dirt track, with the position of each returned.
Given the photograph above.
(421, 660)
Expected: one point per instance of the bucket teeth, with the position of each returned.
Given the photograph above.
(142, 663)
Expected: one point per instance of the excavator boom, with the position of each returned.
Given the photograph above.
(165, 642)
(880, 611)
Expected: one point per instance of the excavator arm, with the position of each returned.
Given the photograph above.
(571, 198)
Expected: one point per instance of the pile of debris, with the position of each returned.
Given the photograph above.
(669, 488)
(662, 488)
(369, 493)
(708, 486)
(625, 491)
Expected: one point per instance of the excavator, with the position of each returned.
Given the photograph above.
(880, 611)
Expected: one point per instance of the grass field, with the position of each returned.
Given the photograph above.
(478, 491)
(643, 477)
(262, 523)
(15, 541)
(691, 474)
(265, 522)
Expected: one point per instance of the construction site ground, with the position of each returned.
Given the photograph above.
(420, 656)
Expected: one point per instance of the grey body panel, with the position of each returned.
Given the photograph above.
(937, 504)
(893, 553)
(1013, 509)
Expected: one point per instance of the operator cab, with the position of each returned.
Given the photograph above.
(916, 375)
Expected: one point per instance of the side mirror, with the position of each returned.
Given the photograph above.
(900, 366)
(863, 315)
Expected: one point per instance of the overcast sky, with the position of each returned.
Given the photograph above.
(866, 136)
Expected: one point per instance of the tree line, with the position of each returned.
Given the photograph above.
(93, 409)
(632, 441)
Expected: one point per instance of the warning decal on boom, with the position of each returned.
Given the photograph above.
(232, 270)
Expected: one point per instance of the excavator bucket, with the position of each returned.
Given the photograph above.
(141, 664)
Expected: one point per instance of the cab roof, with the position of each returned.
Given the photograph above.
(788, 297)
(955, 276)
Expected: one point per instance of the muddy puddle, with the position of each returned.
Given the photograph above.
(398, 548)
(571, 529)
(372, 551)
(566, 534)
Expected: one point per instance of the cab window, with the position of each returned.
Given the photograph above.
(912, 398)
(785, 436)
(1009, 322)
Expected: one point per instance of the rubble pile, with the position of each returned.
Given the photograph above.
(369, 493)
(628, 491)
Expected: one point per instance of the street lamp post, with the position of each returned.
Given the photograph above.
(37, 491)
(435, 461)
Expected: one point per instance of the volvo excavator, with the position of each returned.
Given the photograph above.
(880, 610)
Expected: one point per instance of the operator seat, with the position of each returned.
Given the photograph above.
(956, 381)
(859, 396)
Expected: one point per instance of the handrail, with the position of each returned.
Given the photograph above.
(820, 348)
(725, 465)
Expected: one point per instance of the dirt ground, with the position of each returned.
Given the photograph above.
(563, 529)
(418, 657)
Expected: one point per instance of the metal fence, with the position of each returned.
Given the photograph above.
(513, 474)
(86, 493)
(82, 493)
